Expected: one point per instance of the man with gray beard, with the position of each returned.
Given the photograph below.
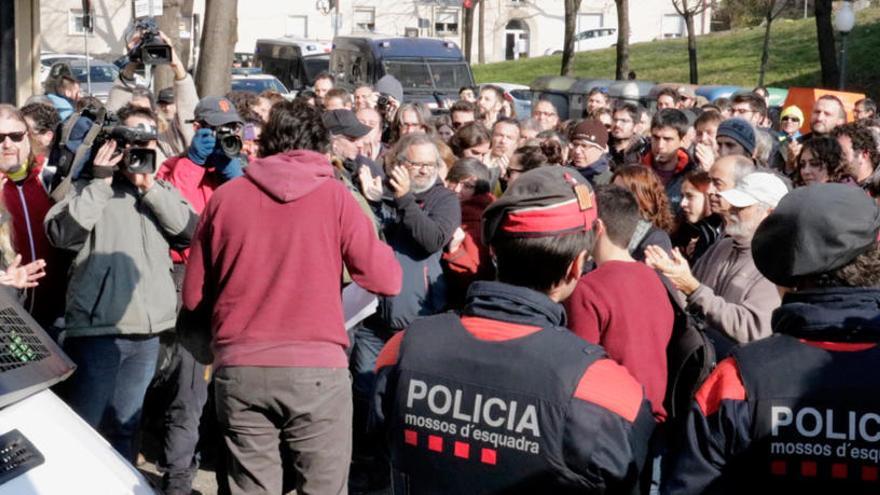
(725, 287)
(418, 215)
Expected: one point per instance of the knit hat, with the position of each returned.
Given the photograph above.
(592, 131)
(388, 85)
(792, 111)
(815, 229)
(740, 131)
(543, 202)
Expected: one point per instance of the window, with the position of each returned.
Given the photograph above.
(446, 23)
(673, 25)
(297, 26)
(365, 20)
(75, 22)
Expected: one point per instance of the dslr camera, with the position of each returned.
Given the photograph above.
(137, 158)
(151, 50)
(230, 142)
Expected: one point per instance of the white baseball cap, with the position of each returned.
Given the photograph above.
(757, 187)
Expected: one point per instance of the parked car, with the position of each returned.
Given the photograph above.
(591, 39)
(521, 96)
(257, 83)
(103, 76)
(47, 59)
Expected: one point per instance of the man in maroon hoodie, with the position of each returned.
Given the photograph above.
(267, 263)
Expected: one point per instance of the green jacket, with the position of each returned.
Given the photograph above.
(120, 280)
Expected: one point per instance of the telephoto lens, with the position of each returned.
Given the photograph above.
(229, 141)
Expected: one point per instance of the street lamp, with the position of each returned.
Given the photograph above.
(844, 21)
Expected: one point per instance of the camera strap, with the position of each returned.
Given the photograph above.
(76, 165)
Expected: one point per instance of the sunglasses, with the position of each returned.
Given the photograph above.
(790, 119)
(16, 137)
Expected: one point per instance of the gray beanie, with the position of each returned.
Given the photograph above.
(740, 131)
(390, 86)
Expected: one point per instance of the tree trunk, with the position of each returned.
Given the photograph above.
(468, 41)
(622, 40)
(825, 38)
(571, 10)
(765, 52)
(217, 47)
(186, 11)
(481, 38)
(169, 23)
(692, 46)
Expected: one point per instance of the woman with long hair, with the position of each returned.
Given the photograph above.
(698, 227)
(657, 219)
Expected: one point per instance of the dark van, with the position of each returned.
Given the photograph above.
(294, 62)
(430, 70)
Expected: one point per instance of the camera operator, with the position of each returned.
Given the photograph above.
(180, 388)
(120, 222)
(390, 98)
(175, 133)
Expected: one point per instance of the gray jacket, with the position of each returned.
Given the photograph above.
(120, 280)
(733, 295)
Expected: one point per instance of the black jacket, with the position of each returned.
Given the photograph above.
(797, 412)
(503, 399)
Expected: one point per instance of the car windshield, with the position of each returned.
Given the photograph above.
(430, 75)
(258, 85)
(99, 73)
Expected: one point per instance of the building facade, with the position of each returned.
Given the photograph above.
(513, 28)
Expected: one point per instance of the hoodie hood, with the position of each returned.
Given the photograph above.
(289, 176)
(840, 314)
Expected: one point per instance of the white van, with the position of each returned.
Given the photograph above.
(592, 39)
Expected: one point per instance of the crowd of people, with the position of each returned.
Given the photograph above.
(684, 298)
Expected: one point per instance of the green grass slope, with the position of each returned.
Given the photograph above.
(732, 57)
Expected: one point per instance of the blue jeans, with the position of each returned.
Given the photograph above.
(107, 389)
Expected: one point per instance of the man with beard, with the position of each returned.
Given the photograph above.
(418, 215)
(724, 287)
(627, 143)
(859, 148)
(725, 173)
(828, 113)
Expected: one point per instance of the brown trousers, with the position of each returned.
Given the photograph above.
(303, 413)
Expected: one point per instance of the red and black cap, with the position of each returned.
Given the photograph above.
(544, 202)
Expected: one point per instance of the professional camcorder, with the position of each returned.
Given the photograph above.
(136, 158)
(151, 50)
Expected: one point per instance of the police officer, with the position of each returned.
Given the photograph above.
(501, 397)
(798, 412)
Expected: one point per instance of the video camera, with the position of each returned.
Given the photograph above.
(151, 50)
(136, 159)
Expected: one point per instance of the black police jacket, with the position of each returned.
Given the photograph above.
(503, 399)
(797, 412)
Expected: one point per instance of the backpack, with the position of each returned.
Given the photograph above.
(72, 147)
(690, 357)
